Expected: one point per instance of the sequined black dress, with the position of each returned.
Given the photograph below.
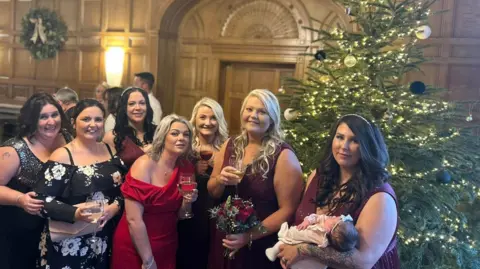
(20, 231)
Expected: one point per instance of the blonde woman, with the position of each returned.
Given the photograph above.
(99, 89)
(209, 133)
(146, 236)
(272, 180)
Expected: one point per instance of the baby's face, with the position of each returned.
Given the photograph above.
(330, 222)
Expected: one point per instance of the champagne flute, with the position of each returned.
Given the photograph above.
(239, 170)
(187, 186)
(95, 206)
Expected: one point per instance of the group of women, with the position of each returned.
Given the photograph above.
(50, 170)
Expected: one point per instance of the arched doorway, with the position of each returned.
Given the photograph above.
(203, 43)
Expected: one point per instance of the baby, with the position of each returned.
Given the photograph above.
(322, 230)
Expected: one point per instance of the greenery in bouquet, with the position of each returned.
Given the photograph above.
(235, 216)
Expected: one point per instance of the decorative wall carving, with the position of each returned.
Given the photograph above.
(260, 20)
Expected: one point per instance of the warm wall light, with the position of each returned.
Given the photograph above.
(114, 57)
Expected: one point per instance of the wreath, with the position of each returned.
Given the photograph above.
(43, 33)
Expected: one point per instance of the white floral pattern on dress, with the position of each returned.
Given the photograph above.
(71, 246)
(90, 171)
(117, 178)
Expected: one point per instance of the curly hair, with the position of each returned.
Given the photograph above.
(370, 171)
(272, 138)
(30, 114)
(122, 127)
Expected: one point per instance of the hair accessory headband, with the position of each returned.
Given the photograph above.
(358, 116)
(343, 218)
(129, 88)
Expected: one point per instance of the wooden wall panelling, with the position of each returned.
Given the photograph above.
(5, 61)
(4, 92)
(68, 63)
(91, 15)
(24, 65)
(68, 9)
(138, 9)
(20, 9)
(21, 92)
(117, 15)
(46, 3)
(5, 14)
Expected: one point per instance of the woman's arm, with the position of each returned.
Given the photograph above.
(216, 187)
(288, 186)
(138, 230)
(376, 227)
(9, 164)
(141, 170)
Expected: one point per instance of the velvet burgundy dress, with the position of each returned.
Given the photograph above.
(161, 205)
(390, 258)
(261, 191)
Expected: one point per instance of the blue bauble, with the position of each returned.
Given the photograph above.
(417, 87)
(443, 177)
(320, 55)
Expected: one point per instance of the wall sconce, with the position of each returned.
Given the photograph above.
(114, 57)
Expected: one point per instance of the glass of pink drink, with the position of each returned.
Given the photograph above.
(187, 186)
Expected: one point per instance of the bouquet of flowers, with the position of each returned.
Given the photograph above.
(235, 216)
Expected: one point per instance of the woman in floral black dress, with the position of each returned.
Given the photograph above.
(83, 168)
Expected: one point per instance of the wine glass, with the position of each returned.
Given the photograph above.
(239, 169)
(206, 155)
(95, 206)
(187, 186)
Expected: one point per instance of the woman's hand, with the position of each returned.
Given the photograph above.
(190, 197)
(236, 241)
(288, 255)
(201, 167)
(31, 205)
(227, 177)
(109, 212)
(82, 214)
(150, 265)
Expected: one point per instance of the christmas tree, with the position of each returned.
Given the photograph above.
(432, 150)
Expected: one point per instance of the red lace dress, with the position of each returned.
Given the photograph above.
(390, 258)
(161, 205)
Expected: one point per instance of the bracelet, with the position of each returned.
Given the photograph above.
(251, 241)
(18, 198)
(150, 263)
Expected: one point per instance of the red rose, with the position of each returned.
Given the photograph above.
(242, 216)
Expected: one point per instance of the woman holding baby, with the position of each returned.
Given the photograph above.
(351, 179)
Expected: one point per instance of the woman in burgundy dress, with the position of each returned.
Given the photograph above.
(272, 180)
(146, 236)
(134, 128)
(352, 179)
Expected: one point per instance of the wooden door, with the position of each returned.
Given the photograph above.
(238, 79)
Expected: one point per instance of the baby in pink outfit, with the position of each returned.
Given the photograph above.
(322, 230)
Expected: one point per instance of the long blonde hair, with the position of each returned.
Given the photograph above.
(222, 131)
(158, 144)
(272, 138)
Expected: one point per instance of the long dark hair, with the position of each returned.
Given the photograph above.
(122, 127)
(370, 172)
(30, 114)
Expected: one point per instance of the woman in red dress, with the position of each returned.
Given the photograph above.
(352, 179)
(146, 236)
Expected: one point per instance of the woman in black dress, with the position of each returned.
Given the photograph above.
(82, 168)
(209, 133)
(43, 128)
